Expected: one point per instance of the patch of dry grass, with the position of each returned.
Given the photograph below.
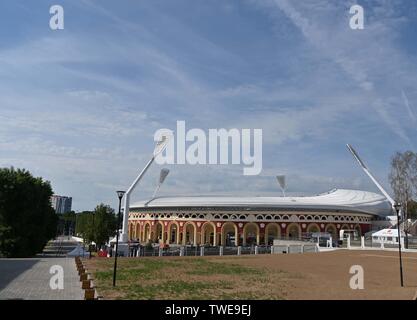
(323, 275)
(187, 278)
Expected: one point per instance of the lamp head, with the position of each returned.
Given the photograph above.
(397, 206)
(163, 175)
(120, 194)
(162, 143)
(281, 181)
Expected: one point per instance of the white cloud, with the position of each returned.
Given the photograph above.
(363, 55)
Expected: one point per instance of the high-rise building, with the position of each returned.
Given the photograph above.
(61, 204)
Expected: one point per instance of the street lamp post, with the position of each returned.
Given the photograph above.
(120, 196)
(93, 233)
(397, 207)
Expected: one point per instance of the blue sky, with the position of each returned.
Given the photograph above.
(79, 106)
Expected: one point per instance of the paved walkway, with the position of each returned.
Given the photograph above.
(29, 279)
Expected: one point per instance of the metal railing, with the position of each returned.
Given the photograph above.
(220, 250)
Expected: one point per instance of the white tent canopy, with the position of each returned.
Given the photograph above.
(79, 251)
(387, 233)
(389, 236)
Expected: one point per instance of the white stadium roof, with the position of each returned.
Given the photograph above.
(337, 199)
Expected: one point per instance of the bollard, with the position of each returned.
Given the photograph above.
(86, 284)
(89, 294)
(221, 251)
(256, 249)
(138, 253)
(317, 248)
(160, 252)
(302, 249)
(331, 242)
(239, 250)
(272, 249)
(363, 242)
(348, 241)
(202, 251)
(181, 251)
(382, 244)
(288, 248)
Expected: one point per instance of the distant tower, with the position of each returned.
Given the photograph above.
(61, 204)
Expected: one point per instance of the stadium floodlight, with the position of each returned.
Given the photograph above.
(159, 148)
(395, 206)
(162, 177)
(282, 184)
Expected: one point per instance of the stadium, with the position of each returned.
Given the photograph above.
(242, 221)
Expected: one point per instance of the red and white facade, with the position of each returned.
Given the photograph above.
(252, 220)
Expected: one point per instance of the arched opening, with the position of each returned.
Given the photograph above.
(147, 233)
(250, 234)
(208, 234)
(173, 233)
(137, 232)
(344, 227)
(313, 228)
(189, 237)
(160, 233)
(229, 235)
(272, 232)
(331, 228)
(346, 231)
(358, 231)
(293, 231)
(131, 230)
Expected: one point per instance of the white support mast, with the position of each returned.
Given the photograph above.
(160, 147)
(365, 168)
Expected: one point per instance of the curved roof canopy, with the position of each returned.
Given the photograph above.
(337, 199)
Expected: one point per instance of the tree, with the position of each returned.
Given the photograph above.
(27, 219)
(97, 226)
(81, 226)
(412, 209)
(403, 180)
(104, 224)
(66, 223)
